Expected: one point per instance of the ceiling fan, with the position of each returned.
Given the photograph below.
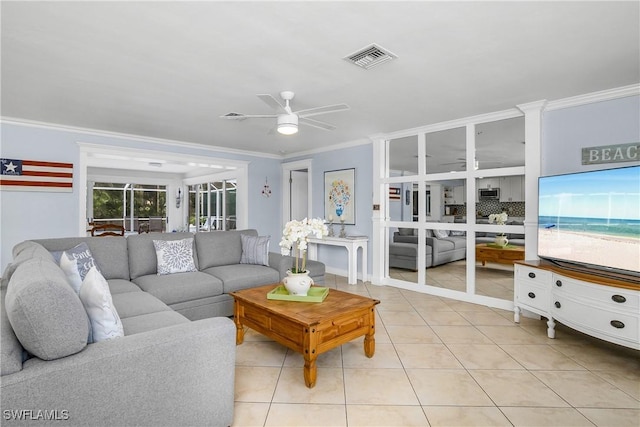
(287, 119)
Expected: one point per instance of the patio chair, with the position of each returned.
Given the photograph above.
(104, 230)
(156, 224)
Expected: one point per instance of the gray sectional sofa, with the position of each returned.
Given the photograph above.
(403, 249)
(175, 363)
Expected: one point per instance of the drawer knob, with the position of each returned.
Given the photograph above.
(557, 304)
(559, 283)
(532, 275)
(617, 324)
(619, 298)
(531, 295)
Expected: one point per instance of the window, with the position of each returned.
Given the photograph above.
(212, 206)
(130, 205)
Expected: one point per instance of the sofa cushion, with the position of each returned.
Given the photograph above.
(142, 252)
(407, 250)
(110, 254)
(97, 301)
(153, 321)
(458, 242)
(405, 239)
(45, 313)
(220, 247)
(180, 287)
(242, 276)
(131, 304)
(119, 286)
(10, 348)
(255, 250)
(174, 256)
(406, 231)
(25, 251)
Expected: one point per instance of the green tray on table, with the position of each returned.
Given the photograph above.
(315, 294)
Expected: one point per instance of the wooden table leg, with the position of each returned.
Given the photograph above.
(310, 354)
(310, 370)
(237, 314)
(369, 339)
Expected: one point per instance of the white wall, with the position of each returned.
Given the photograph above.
(359, 157)
(566, 131)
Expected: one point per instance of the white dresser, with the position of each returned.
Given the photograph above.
(603, 307)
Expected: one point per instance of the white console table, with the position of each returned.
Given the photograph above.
(352, 246)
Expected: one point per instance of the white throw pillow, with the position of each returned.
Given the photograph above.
(174, 256)
(441, 234)
(97, 301)
(255, 250)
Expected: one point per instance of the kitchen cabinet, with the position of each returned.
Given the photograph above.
(459, 195)
(512, 188)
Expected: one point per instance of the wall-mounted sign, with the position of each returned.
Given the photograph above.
(611, 154)
(33, 175)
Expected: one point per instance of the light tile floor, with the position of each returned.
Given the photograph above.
(440, 362)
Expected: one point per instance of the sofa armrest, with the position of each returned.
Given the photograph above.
(281, 263)
(178, 375)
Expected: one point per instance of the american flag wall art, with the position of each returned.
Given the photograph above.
(34, 175)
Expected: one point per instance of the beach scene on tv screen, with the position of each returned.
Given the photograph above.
(591, 218)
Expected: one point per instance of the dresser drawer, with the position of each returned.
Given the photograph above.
(526, 274)
(595, 319)
(608, 296)
(533, 295)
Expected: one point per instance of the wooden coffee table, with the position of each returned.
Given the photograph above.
(501, 255)
(306, 327)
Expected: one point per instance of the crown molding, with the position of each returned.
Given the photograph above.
(589, 98)
(341, 146)
(132, 137)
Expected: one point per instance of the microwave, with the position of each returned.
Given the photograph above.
(489, 194)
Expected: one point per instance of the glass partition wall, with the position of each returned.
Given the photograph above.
(438, 215)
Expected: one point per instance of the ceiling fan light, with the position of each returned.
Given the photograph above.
(287, 124)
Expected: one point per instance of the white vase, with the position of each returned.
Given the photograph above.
(501, 240)
(297, 283)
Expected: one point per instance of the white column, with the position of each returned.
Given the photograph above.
(533, 141)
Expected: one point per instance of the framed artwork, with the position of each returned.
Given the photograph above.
(339, 196)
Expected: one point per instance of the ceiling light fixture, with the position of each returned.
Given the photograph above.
(288, 124)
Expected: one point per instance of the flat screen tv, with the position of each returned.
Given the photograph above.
(591, 220)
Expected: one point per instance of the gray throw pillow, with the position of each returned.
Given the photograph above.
(45, 313)
(255, 250)
(405, 231)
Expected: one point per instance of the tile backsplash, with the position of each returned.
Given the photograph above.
(488, 207)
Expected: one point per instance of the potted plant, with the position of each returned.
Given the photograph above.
(295, 236)
(500, 219)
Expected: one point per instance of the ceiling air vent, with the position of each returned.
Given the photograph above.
(370, 56)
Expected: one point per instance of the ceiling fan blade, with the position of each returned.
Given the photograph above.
(240, 116)
(322, 110)
(271, 101)
(316, 123)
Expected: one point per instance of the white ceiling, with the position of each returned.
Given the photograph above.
(169, 69)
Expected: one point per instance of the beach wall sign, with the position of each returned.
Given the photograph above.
(617, 153)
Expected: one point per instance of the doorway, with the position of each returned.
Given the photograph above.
(296, 184)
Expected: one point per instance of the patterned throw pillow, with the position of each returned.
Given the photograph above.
(255, 250)
(174, 256)
(97, 301)
(76, 263)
